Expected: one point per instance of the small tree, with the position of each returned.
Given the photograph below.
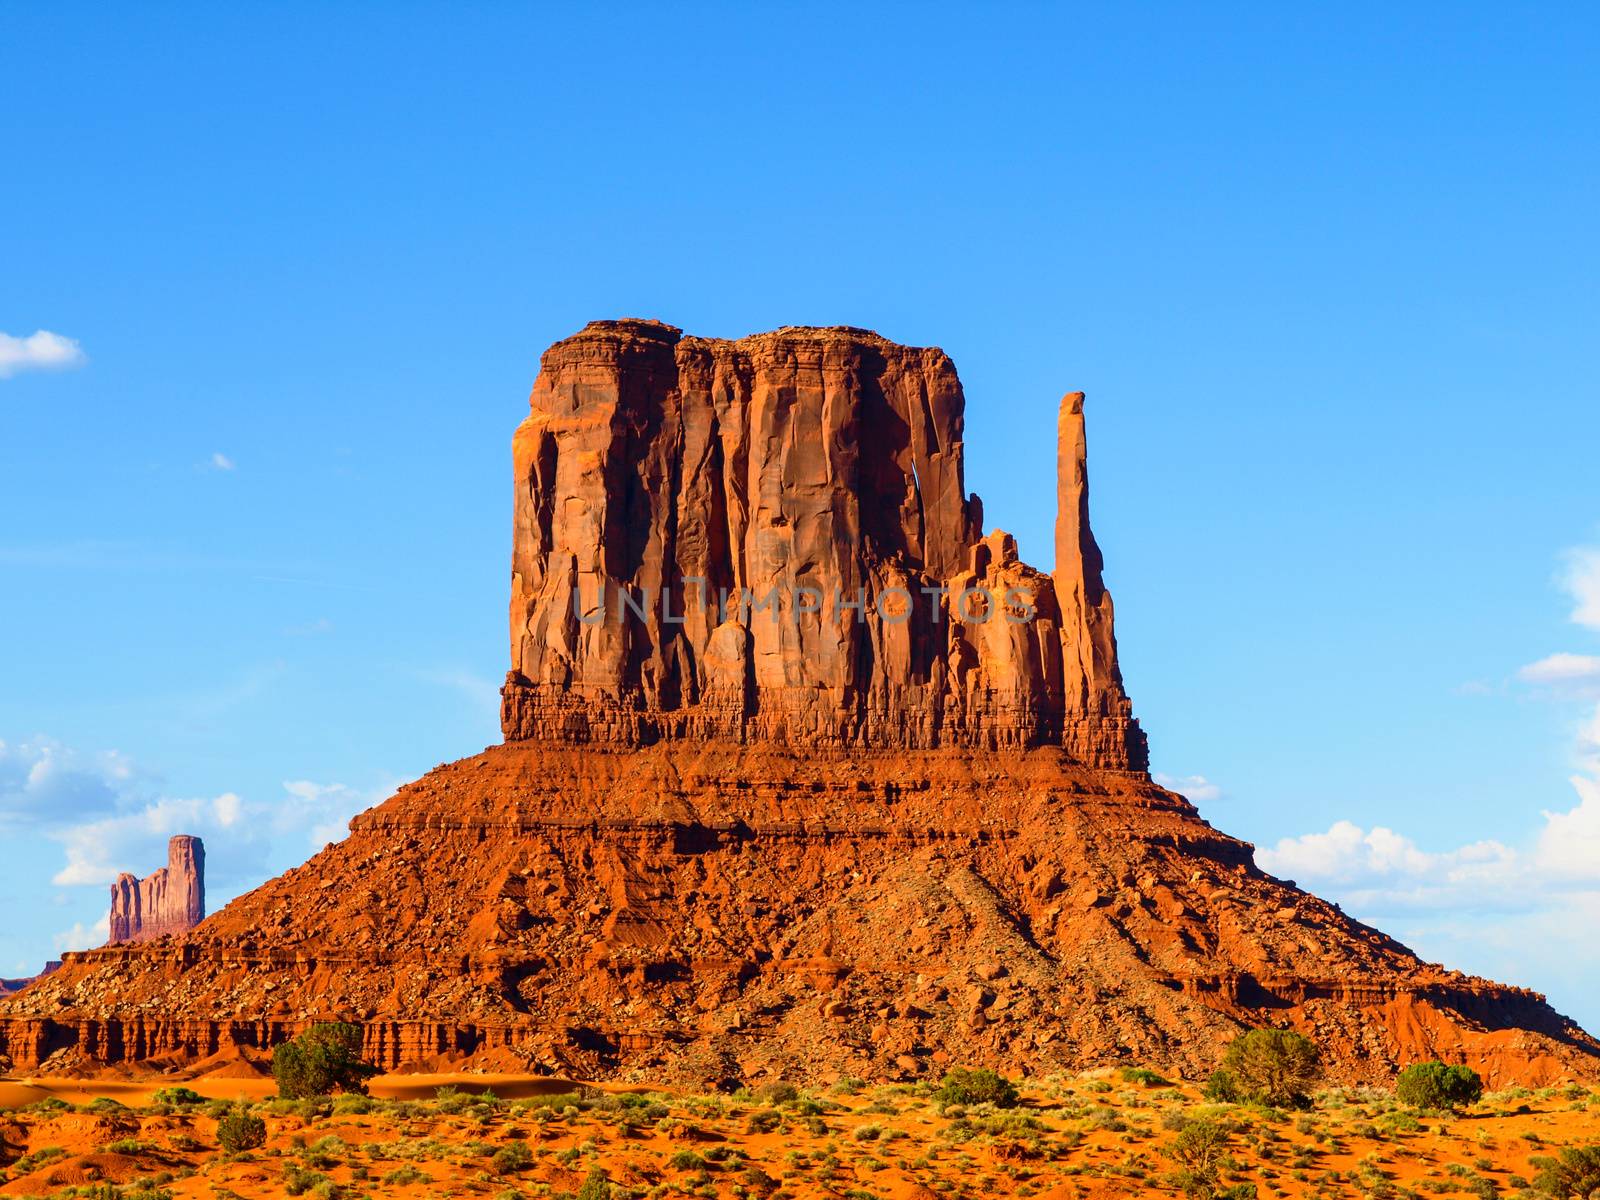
(239, 1131)
(1198, 1150)
(1272, 1066)
(323, 1059)
(979, 1085)
(1575, 1172)
(1434, 1085)
(596, 1187)
(1222, 1087)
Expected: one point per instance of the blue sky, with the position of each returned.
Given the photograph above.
(1327, 278)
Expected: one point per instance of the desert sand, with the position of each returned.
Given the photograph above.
(1091, 1135)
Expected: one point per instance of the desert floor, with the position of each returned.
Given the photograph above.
(1096, 1135)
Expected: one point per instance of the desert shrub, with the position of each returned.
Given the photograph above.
(32, 1162)
(297, 1181)
(1436, 1086)
(763, 1121)
(177, 1096)
(778, 1092)
(1270, 1066)
(1142, 1075)
(323, 1059)
(686, 1160)
(326, 1152)
(239, 1131)
(512, 1157)
(596, 1187)
(355, 1105)
(403, 1176)
(965, 1085)
(128, 1145)
(1575, 1171)
(757, 1180)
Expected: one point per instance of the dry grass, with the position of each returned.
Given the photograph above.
(1092, 1136)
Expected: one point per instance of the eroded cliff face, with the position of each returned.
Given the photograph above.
(169, 901)
(770, 539)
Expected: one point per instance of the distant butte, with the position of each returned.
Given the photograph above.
(895, 818)
(169, 901)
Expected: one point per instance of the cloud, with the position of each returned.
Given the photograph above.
(43, 781)
(1196, 788)
(108, 816)
(323, 811)
(98, 851)
(1563, 669)
(84, 937)
(245, 840)
(1581, 579)
(1379, 860)
(39, 351)
(220, 462)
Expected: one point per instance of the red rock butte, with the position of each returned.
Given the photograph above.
(169, 901)
(803, 775)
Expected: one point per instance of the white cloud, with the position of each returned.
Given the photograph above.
(221, 462)
(1582, 579)
(1374, 857)
(98, 851)
(39, 351)
(110, 817)
(84, 937)
(1196, 788)
(323, 811)
(1563, 669)
(42, 781)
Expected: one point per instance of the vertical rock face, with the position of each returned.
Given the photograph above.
(172, 900)
(770, 539)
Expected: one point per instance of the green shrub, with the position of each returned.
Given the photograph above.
(239, 1131)
(778, 1092)
(177, 1096)
(1574, 1172)
(1142, 1075)
(1270, 1066)
(964, 1085)
(128, 1145)
(323, 1059)
(596, 1187)
(29, 1163)
(1436, 1086)
(297, 1181)
(514, 1156)
(763, 1121)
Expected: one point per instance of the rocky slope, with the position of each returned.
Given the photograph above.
(844, 843)
(169, 901)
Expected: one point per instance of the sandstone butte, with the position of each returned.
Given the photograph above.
(169, 901)
(720, 844)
